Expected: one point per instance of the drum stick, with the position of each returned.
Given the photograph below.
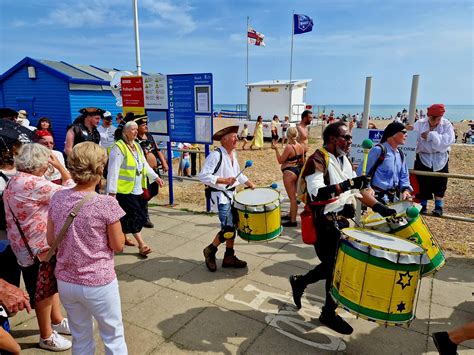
(248, 164)
(367, 144)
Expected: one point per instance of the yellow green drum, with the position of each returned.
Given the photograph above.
(413, 229)
(259, 214)
(376, 276)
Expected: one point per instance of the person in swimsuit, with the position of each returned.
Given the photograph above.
(291, 161)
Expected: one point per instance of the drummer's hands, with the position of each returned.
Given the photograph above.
(230, 181)
(383, 210)
(406, 195)
(370, 191)
(250, 184)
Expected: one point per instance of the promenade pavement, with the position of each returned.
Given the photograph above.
(172, 304)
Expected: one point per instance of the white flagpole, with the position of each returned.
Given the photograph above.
(291, 64)
(248, 89)
(137, 38)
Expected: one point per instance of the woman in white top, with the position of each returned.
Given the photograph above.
(435, 136)
(127, 164)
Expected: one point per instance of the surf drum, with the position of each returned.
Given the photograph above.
(413, 229)
(376, 276)
(259, 214)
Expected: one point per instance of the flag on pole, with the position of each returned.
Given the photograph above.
(255, 37)
(302, 24)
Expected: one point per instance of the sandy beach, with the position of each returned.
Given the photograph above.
(453, 235)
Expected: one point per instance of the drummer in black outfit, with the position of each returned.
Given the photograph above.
(330, 178)
(84, 128)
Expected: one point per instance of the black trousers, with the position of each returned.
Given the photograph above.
(326, 247)
(430, 185)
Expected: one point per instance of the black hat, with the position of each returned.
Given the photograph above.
(224, 131)
(91, 111)
(6, 112)
(138, 119)
(392, 129)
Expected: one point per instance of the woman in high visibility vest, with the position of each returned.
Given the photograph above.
(127, 174)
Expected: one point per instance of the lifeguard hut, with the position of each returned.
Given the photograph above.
(272, 97)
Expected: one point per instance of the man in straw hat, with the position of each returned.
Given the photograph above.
(436, 134)
(220, 170)
(387, 167)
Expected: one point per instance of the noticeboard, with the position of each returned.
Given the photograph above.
(359, 134)
(190, 108)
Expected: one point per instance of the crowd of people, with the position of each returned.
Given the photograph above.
(59, 234)
(59, 230)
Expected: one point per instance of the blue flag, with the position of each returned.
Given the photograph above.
(302, 24)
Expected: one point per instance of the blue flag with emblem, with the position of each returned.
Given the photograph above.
(302, 24)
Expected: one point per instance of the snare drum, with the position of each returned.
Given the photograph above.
(413, 229)
(376, 276)
(259, 214)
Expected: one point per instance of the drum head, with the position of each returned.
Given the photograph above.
(374, 219)
(382, 241)
(257, 197)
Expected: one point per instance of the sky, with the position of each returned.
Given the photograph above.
(352, 39)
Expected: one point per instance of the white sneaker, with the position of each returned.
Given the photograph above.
(62, 328)
(55, 342)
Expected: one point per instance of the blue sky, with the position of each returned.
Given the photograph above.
(352, 39)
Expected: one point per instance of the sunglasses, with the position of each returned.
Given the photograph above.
(347, 137)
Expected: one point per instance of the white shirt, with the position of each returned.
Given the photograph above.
(52, 173)
(115, 161)
(106, 136)
(434, 150)
(339, 169)
(229, 167)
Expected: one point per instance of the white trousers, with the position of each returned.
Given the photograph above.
(101, 302)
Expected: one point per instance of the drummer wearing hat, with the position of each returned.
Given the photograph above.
(219, 171)
(84, 128)
(436, 134)
(387, 167)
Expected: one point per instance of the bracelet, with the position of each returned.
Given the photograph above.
(351, 183)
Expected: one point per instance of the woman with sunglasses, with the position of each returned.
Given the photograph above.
(46, 139)
(387, 167)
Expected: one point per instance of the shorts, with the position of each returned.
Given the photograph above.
(275, 136)
(225, 215)
(185, 164)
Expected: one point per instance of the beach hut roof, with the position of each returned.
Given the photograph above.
(73, 73)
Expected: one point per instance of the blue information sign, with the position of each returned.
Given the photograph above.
(190, 108)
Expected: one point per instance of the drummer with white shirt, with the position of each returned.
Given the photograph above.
(331, 187)
(221, 169)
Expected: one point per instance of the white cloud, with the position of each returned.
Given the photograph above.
(176, 16)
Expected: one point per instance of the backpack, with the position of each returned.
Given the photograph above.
(381, 158)
(301, 188)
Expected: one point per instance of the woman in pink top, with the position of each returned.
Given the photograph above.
(87, 282)
(27, 197)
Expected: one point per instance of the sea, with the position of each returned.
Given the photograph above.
(455, 113)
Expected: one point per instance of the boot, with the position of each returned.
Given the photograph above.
(230, 260)
(297, 288)
(210, 257)
(444, 345)
(335, 322)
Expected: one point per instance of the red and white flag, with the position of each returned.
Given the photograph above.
(255, 37)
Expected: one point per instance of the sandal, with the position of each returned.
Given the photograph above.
(144, 250)
(130, 242)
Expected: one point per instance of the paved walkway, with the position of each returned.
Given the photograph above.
(172, 304)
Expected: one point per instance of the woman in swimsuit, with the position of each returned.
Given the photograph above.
(291, 161)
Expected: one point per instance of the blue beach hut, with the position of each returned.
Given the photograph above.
(56, 90)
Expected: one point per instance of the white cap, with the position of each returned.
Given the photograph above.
(107, 114)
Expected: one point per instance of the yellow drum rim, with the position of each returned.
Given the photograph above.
(382, 248)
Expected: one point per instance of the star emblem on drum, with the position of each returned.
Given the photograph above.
(247, 230)
(246, 216)
(401, 307)
(405, 279)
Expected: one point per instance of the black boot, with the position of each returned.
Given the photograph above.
(331, 320)
(444, 345)
(297, 287)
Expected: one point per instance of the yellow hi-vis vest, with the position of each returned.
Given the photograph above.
(128, 169)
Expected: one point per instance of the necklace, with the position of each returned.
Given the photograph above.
(135, 155)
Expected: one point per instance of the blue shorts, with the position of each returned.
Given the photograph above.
(225, 215)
